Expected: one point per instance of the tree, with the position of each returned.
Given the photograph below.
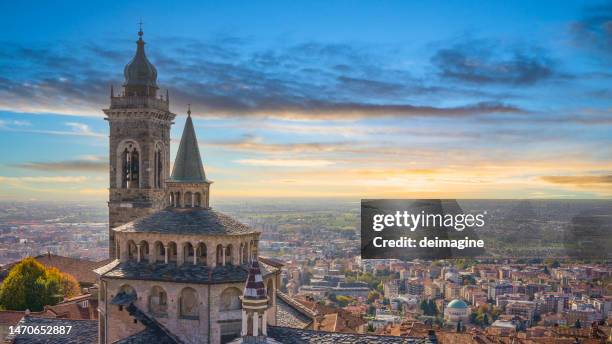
(29, 285)
(68, 284)
(371, 328)
(433, 309)
(373, 295)
(424, 307)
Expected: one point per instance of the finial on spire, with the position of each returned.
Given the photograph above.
(112, 92)
(167, 96)
(140, 28)
(189, 110)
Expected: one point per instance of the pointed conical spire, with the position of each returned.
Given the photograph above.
(254, 288)
(188, 163)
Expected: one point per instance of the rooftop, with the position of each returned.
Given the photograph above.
(188, 162)
(456, 303)
(186, 221)
(185, 273)
(81, 332)
(288, 335)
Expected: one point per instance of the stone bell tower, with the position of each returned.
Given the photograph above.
(139, 155)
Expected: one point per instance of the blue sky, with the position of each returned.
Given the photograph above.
(321, 99)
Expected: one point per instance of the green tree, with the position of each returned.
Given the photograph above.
(433, 309)
(424, 307)
(370, 328)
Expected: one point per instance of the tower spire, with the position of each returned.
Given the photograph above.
(140, 33)
(188, 110)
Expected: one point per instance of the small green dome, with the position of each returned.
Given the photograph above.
(457, 304)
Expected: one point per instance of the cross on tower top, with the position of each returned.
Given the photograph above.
(140, 27)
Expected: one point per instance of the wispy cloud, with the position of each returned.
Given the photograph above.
(594, 30)
(90, 164)
(76, 129)
(310, 80)
(285, 162)
(579, 180)
(43, 179)
(485, 62)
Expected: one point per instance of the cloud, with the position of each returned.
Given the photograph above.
(42, 179)
(594, 30)
(285, 162)
(485, 62)
(578, 180)
(255, 143)
(77, 129)
(83, 165)
(229, 77)
(81, 128)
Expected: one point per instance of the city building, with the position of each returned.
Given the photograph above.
(457, 311)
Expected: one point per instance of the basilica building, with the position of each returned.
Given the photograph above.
(180, 271)
(178, 263)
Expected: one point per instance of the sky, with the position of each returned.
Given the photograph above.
(351, 99)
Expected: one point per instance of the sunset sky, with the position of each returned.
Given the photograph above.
(465, 99)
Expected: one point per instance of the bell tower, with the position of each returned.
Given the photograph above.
(139, 154)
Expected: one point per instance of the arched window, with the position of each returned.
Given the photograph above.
(198, 199)
(132, 250)
(230, 299)
(188, 253)
(219, 255)
(188, 199)
(158, 301)
(172, 252)
(160, 252)
(130, 166)
(202, 254)
(159, 166)
(188, 304)
(144, 251)
(228, 254)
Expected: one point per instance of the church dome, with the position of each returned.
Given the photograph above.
(459, 304)
(139, 71)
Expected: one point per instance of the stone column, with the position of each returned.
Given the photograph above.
(180, 254)
(166, 248)
(195, 255)
(138, 252)
(193, 200)
(245, 322)
(223, 254)
(255, 324)
(264, 330)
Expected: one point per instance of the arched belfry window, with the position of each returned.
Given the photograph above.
(159, 166)
(130, 159)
